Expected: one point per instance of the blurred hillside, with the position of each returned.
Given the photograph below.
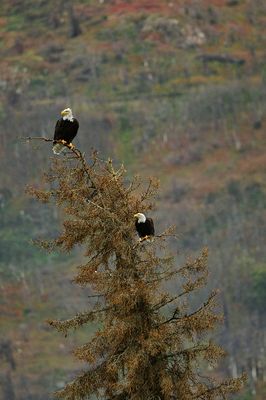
(174, 89)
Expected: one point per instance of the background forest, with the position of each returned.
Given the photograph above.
(174, 89)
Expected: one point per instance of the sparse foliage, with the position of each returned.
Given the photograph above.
(150, 344)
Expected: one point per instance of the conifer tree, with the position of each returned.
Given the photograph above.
(150, 344)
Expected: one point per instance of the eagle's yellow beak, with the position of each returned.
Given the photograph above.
(136, 215)
(63, 113)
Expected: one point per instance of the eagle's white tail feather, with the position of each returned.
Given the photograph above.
(58, 148)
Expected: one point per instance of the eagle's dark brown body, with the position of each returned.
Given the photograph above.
(66, 130)
(145, 228)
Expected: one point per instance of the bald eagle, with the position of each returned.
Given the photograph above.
(144, 226)
(66, 129)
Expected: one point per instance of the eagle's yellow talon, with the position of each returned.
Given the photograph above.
(144, 238)
(71, 146)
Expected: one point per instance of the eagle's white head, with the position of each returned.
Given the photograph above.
(140, 217)
(67, 114)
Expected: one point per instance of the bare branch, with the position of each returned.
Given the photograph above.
(188, 316)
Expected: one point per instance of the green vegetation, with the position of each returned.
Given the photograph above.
(256, 296)
(18, 228)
